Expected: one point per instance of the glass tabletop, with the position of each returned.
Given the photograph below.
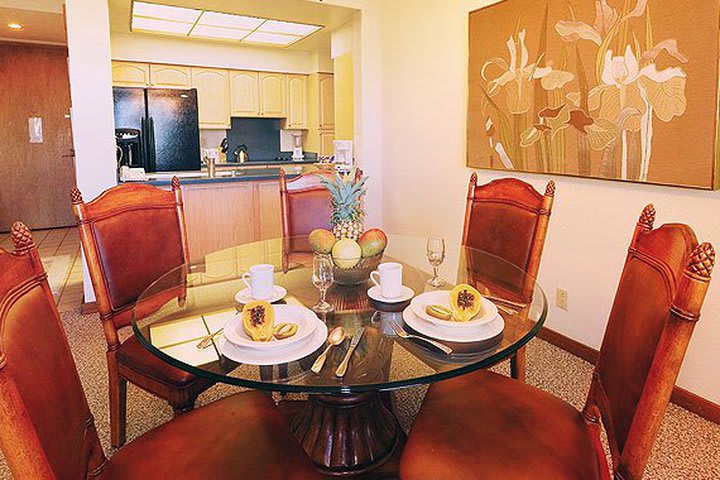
(191, 302)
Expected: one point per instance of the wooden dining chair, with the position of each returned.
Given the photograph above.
(485, 425)
(48, 431)
(508, 218)
(304, 206)
(132, 235)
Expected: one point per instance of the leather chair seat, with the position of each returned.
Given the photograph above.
(242, 436)
(485, 425)
(133, 356)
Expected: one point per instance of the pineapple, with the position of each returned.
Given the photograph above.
(346, 194)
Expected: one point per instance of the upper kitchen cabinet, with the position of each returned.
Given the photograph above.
(130, 74)
(245, 94)
(326, 87)
(170, 76)
(297, 101)
(273, 87)
(213, 91)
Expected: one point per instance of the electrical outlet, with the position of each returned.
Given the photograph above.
(561, 299)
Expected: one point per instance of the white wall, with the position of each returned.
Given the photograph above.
(92, 108)
(155, 48)
(424, 73)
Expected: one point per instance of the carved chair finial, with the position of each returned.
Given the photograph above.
(647, 218)
(21, 237)
(175, 183)
(76, 196)
(473, 178)
(550, 189)
(702, 260)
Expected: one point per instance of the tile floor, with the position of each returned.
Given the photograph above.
(66, 280)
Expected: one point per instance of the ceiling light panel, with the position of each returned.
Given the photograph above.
(162, 26)
(165, 12)
(216, 19)
(270, 38)
(288, 28)
(219, 32)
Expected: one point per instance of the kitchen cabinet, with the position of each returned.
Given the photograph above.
(170, 76)
(244, 94)
(267, 222)
(130, 74)
(326, 87)
(213, 91)
(273, 88)
(321, 114)
(327, 145)
(297, 101)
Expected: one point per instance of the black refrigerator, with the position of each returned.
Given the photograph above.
(168, 123)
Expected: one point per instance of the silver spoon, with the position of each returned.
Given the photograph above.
(336, 337)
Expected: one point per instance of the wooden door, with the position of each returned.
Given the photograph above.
(244, 94)
(130, 74)
(297, 101)
(213, 91)
(273, 87)
(327, 101)
(35, 178)
(170, 76)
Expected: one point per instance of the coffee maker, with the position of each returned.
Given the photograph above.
(129, 147)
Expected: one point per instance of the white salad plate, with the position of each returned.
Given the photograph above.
(405, 294)
(482, 332)
(488, 311)
(244, 296)
(304, 318)
(295, 351)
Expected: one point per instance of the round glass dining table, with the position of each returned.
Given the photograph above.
(347, 425)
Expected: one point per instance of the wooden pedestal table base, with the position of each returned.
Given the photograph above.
(347, 435)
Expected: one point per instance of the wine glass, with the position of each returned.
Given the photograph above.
(436, 256)
(322, 278)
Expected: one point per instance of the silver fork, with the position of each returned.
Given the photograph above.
(407, 336)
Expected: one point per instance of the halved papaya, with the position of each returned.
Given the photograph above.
(258, 321)
(465, 303)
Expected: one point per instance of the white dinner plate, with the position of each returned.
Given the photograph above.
(487, 314)
(304, 318)
(289, 354)
(244, 296)
(461, 335)
(376, 294)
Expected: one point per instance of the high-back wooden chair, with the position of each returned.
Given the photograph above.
(508, 218)
(48, 431)
(536, 435)
(133, 234)
(305, 205)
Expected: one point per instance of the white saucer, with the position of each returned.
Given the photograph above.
(461, 335)
(245, 296)
(293, 352)
(376, 294)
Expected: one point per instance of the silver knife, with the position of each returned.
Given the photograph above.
(342, 368)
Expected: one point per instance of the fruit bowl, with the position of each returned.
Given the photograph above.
(358, 274)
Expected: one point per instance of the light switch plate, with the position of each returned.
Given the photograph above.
(35, 129)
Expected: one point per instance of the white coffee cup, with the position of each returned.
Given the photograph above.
(389, 279)
(261, 282)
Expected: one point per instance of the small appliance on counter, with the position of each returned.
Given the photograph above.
(224, 147)
(241, 154)
(298, 155)
(343, 155)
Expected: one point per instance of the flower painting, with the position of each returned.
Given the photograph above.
(614, 89)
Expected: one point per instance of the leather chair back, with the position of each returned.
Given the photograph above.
(47, 429)
(131, 234)
(305, 206)
(658, 300)
(508, 218)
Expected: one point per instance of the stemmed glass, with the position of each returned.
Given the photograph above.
(323, 277)
(436, 256)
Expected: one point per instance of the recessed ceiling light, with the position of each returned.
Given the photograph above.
(163, 26)
(288, 28)
(166, 12)
(216, 19)
(270, 38)
(14, 26)
(219, 32)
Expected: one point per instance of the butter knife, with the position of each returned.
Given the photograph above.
(342, 368)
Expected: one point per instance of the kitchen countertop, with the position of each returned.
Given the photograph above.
(244, 175)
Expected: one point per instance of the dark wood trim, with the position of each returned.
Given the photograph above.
(681, 397)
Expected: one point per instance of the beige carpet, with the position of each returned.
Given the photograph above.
(688, 446)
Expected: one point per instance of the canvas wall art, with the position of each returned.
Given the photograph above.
(612, 89)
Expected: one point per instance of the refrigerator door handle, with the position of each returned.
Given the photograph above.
(151, 143)
(144, 159)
